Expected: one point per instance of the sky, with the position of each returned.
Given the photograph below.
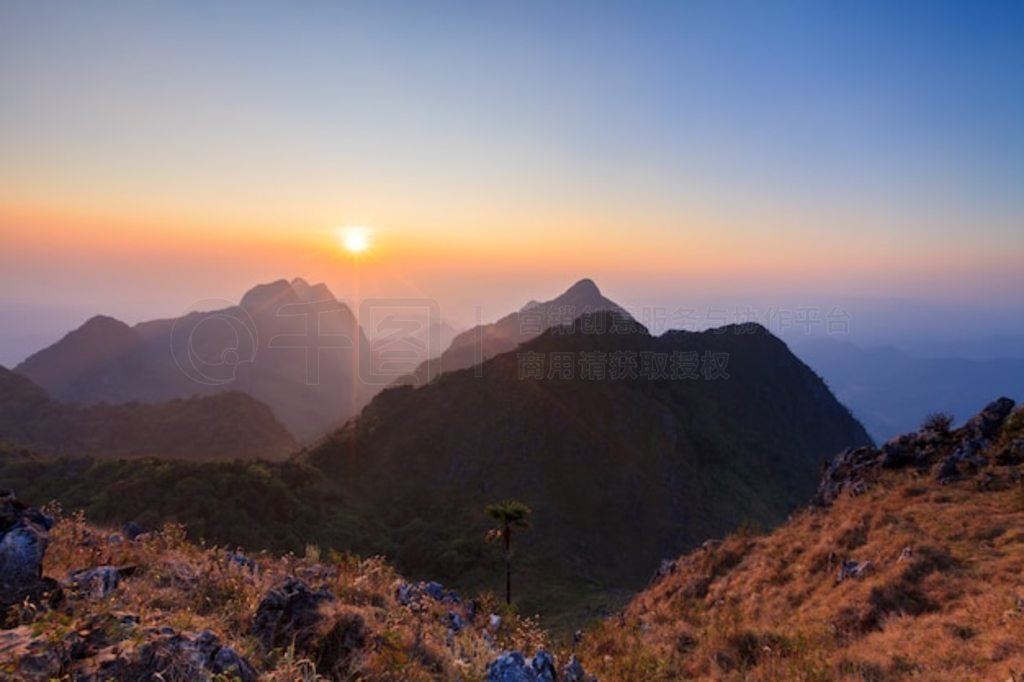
(160, 153)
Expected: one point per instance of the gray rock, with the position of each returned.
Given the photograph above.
(289, 613)
(409, 594)
(239, 560)
(434, 590)
(510, 666)
(898, 452)
(132, 530)
(854, 569)
(574, 672)
(665, 569)
(543, 665)
(99, 581)
(986, 424)
(24, 536)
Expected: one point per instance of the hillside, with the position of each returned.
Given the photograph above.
(291, 345)
(909, 567)
(620, 471)
(257, 505)
(225, 425)
(89, 603)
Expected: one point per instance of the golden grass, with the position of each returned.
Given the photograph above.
(192, 588)
(771, 608)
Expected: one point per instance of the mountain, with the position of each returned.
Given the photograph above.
(908, 567)
(475, 345)
(225, 425)
(620, 471)
(291, 345)
(892, 391)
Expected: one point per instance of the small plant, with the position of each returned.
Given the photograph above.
(938, 422)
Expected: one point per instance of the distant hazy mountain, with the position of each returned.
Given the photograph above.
(485, 341)
(620, 471)
(229, 425)
(288, 344)
(891, 391)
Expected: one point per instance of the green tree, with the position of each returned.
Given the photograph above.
(509, 514)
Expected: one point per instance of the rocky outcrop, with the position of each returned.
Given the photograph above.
(948, 455)
(100, 581)
(113, 646)
(24, 535)
(410, 594)
(513, 666)
(290, 613)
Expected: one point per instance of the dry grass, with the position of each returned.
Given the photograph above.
(772, 608)
(192, 588)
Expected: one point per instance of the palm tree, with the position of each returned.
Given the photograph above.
(509, 513)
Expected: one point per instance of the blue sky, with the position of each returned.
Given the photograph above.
(879, 142)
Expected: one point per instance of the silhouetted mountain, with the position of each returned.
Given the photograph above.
(225, 425)
(619, 471)
(288, 344)
(891, 391)
(475, 345)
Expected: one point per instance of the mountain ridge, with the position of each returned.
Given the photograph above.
(684, 458)
(225, 425)
(262, 346)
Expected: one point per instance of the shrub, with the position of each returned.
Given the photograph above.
(938, 422)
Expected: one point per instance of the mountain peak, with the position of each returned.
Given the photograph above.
(311, 292)
(104, 323)
(584, 287)
(262, 295)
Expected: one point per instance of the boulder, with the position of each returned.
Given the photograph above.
(290, 613)
(986, 424)
(132, 530)
(110, 646)
(409, 594)
(240, 560)
(434, 590)
(24, 535)
(510, 666)
(543, 665)
(98, 582)
(199, 657)
(574, 672)
(853, 569)
(899, 452)
(846, 473)
(455, 622)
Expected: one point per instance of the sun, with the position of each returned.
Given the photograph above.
(355, 238)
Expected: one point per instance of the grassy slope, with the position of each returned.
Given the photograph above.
(191, 588)
(770, 607)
